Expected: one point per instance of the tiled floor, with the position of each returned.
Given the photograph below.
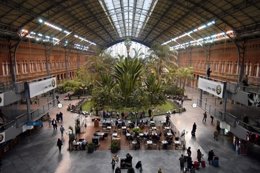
(38, 152)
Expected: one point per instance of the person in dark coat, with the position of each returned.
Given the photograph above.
(118, 170)
(210, 156)
(113, 164)
(130, 170)
(189, 151)
(199, 155)
(182, 162)
(59, 144)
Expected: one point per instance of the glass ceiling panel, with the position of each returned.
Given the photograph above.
(128, 16)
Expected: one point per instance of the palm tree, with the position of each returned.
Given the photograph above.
(162, 56)
(183, 74)
(103, 92)
(154, 90)
(127, 73)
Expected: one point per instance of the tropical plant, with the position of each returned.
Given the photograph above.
(103, 92)
(154, 90)
(162, 56)
(183, 74)
(115, 146)
(127, 73)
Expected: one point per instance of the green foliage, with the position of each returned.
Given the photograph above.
(127, 73)
(154, 90)
(137, 130)
(173, 90)
(115, 146)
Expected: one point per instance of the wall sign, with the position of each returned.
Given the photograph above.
(43, 86)
(212, 87)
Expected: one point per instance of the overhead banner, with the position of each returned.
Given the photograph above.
(43, 86)
(2, 137)
(212, 87)
(1, 99)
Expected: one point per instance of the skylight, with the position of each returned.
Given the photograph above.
(128, 16)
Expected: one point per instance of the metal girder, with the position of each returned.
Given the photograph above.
(177, 21)
(102, 26)
(103, 2)
(11, 23)
(133, 18)
(83, 24)
(12, 55)
(122, 40)
(158, 21)
(55, 5)
(16, 6)
(219, 17)
(240, 11)
(123, 16)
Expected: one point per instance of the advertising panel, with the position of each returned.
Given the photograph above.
(212, 87)
(1, 99)
(2, 137)
(43, 86)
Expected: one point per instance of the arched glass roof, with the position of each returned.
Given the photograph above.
(128, 16)
(120, 49)
(84, 24)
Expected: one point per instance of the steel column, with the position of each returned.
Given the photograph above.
(241, 47)
(12, 56)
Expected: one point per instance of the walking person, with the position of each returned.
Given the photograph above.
(59, 144)
(160, 170)
(199, 155)
(212, 119)
(62, 131)
(113, 164)
(139, 166)
(182, 162)
(54, 124)
(204, 117)
(194, 127)
(210, 156)
(189, 151)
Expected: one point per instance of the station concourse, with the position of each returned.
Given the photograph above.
(209, 50)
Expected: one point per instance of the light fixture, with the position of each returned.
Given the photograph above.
(190, 32)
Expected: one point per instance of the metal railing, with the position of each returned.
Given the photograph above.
(227, 117)
(23, 118)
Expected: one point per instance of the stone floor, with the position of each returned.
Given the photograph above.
(38, 153)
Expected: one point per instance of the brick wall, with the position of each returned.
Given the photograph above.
(31, 62)
(223, 59)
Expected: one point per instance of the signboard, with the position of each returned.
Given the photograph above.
(1, 99)
(212, 87)
(2, 137)
(43, 86)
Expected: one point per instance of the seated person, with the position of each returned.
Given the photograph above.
(83, 144)
(127, 162)
(128, 158)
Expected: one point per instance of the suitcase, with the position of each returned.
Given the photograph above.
(203, 164)
(196, 165)
(215, 163)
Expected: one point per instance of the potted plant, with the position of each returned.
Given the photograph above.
(115, 146)
(91, 147)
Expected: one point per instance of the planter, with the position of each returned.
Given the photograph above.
(91, 148)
